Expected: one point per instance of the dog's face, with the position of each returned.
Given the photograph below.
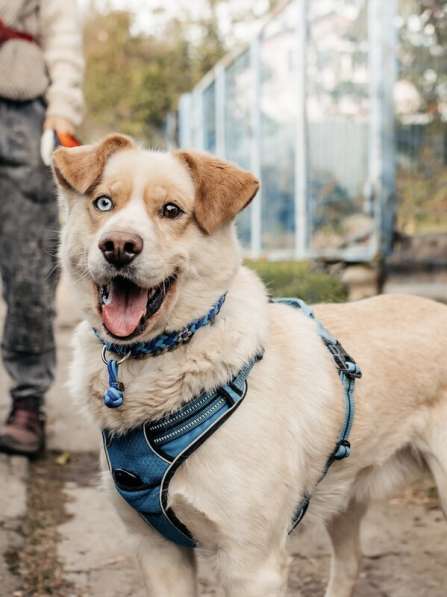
(148, 237)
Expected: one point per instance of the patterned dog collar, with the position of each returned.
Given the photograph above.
(166, 341)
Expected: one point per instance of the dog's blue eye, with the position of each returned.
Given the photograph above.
(103, 203)
(171, 210)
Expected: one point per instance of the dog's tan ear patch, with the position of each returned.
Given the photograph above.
(80, 168)
(222, 189)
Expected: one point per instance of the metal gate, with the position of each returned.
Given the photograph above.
(308, 107)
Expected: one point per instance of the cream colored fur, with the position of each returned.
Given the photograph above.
(237, 493)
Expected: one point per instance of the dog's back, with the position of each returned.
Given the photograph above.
(399, 342)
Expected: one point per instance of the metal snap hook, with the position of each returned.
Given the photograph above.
(105, 360)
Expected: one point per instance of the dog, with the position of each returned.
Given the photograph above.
(149, 244)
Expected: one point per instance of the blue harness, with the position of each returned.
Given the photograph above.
(143, 461)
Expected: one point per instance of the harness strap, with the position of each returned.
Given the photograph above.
(193, 414)
(348, 372)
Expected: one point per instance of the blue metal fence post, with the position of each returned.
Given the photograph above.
(220, 110)
(198, 118)
(301, 190)
(255, 144)
(184, 112)
(382, 33)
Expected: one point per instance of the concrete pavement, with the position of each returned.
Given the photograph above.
(59, 536)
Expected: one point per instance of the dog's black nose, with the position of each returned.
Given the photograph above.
(120, 248)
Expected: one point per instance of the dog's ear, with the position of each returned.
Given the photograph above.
(80, 168)
(222, 189)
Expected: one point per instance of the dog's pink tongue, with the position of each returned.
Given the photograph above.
(122, 314)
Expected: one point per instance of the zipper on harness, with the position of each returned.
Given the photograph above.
(183, 414)
(203, 416)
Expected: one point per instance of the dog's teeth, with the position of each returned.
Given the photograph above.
(105, 295)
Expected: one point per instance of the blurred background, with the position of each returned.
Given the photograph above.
(339, 106)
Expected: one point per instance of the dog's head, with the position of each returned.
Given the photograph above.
(148, 237)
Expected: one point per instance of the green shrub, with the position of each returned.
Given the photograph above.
(299, 279)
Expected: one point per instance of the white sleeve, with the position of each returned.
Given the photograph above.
(61, 41)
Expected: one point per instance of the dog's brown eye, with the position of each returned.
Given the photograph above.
(171, 210)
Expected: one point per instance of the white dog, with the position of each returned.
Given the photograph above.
(150, 245)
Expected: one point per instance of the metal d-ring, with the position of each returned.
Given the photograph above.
(104, 358)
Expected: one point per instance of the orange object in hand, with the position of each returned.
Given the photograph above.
(66, 140)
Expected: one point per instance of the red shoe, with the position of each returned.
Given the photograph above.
(24, 431)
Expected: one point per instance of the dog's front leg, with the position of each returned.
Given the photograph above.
(168, 570)
(244, 572)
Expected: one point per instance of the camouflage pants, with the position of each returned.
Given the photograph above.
(28, 242)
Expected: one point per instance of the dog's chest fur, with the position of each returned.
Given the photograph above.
(158, 385)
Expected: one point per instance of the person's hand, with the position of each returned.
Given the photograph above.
(48, 141)
(59, 124)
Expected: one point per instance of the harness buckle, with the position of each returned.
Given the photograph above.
(345, 363)
(232, 393)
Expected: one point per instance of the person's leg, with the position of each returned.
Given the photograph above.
(28, 243)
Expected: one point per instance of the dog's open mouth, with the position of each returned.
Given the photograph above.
(126, 307)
